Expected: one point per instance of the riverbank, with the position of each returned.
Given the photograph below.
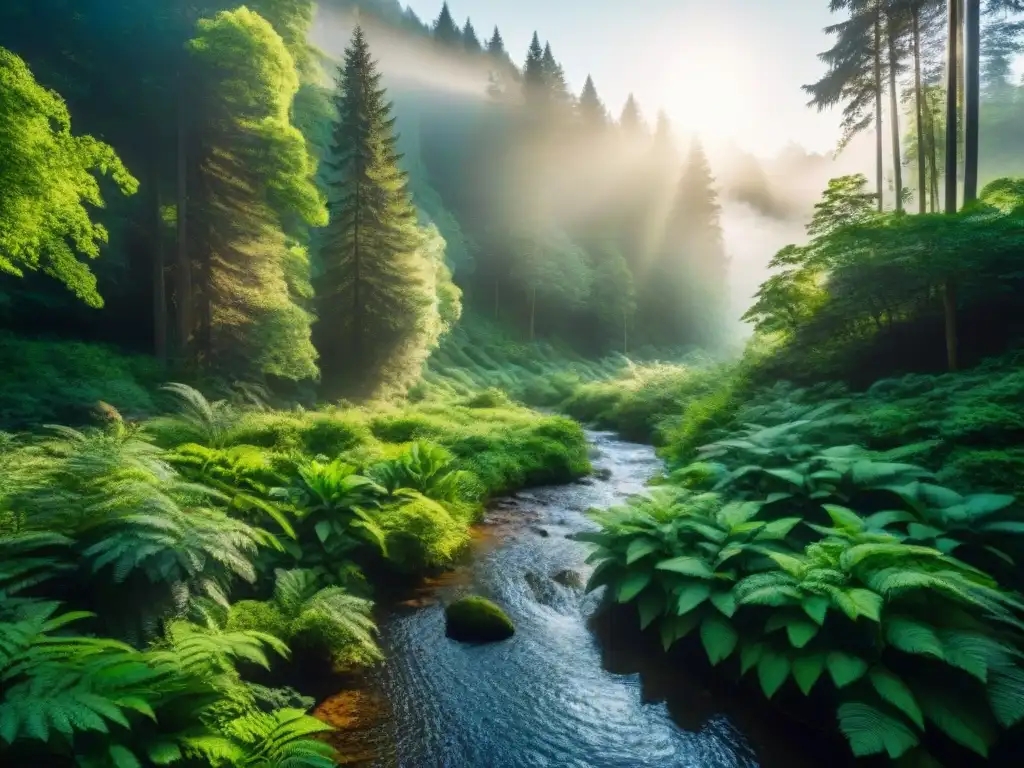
(800, 538)
(222, 537)
(555, 693)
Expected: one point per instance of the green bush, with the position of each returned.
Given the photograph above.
(477, 620)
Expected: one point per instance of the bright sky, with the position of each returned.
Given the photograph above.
(729, 69)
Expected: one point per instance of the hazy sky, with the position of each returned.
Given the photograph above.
(730, 69)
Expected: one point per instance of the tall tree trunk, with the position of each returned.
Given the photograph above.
(922, 183)
(949, 289)
(894, 120)
(159, 285)
(357, 306)
(183, 266)
(972, 98)
(878, 102)
(933, 151)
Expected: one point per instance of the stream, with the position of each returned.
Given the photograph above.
(545, 697)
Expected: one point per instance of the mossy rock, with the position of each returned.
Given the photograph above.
(477, 620)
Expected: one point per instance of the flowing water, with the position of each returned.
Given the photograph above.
(545, 697)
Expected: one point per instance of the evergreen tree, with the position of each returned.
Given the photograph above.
(694, 265)
(469, 39)
(445, 30)
(591, 110)
(253, 189)
(496, 45)
(534, 76)
(554, 76)
(631, 121)
(376, 291)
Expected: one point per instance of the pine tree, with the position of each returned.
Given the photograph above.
(554, 77)
(445, 30)
(496, 45)
(375, 291)
(591, 110)
(694, 264)
(534, 79)
(469, 39)
(631, 121)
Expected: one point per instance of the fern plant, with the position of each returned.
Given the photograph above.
(428, 469)
(325, 621)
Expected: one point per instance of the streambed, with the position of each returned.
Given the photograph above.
(545, 697)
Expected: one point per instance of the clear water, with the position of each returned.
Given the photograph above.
(544, 698)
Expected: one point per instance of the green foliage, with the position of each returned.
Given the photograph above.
(61, 382)
(316, 621)
(859, 576)
(48, 178)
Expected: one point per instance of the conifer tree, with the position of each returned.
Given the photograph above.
(591, 110)
(469, 39)
(496, 45)
(631, 121)
(534, 77)
(445, 30)
(694, 266)
(375, 293)
(253, 189)
(554, 77)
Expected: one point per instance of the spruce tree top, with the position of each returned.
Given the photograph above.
(496, 46)
(631, 120)
(469, 39)
(445, 31)
(591, 109)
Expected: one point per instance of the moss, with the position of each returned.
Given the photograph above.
(477, 620)
(492, 397)
(258, 616)
(422, 533)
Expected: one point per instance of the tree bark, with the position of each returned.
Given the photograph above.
(183, 266)
(972, 97)
(878, 102)
(949, 289)
(922, 182)
(894, 120)
(159, 284)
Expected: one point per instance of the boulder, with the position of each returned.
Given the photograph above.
(477, 620)
(569, 578)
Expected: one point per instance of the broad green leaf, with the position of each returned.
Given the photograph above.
(687, 565)
(922, 531)
(640, 548)
(868, 603)
(844, 668)
(807, 670)
(790, 476)
(911, 636)
(772, 671)
(164, 752)
(873, 474)
(750, 654)
(801, 631)
(778, 529)
(674, 627)
(980, 504)
(650, 605)
(962, 723)
(122, 757)
(324, 529)
(725, 602)
(886, 518)
(1006, 695)
(632, 585)
(690, 597)
(816, 606)
(719, 637)
(602, 575)
(895, 691)
(844, 518)
(871, 732)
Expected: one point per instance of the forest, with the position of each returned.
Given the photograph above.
(308, 309)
